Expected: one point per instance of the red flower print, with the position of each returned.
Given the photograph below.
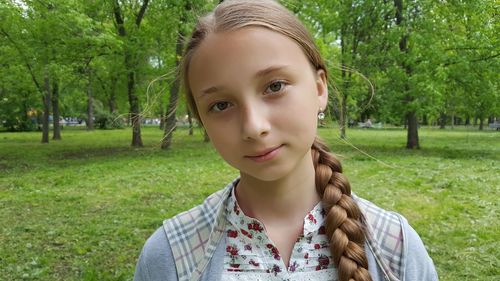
(311, 218)
(255, 226)
(323, 262)
(232, 233)
(322, 230)
(234, 265)
(306, 256)
(246, 233)
(254, 263)
(235, 269)
(317, 246)
(274, 251)
(233, 250)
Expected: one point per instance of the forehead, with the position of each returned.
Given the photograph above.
(238, 55)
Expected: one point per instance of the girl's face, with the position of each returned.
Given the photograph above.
(258, 98)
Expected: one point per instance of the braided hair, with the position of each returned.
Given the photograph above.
(344, 224)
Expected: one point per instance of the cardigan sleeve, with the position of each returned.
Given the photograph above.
(156, 262)
(419, 265)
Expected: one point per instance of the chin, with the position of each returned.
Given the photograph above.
(267, 174)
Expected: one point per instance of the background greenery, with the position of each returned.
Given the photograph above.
(82, 208)
(399, 62)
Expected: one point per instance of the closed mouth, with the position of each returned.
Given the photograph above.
(263, 152)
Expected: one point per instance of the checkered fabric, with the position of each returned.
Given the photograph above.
(194, 235)
(384, 238)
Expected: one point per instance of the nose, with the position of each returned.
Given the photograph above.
(254, 122)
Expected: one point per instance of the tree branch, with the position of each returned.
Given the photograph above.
(26, 61)
(119, 19)
(466, 48)
(142, 11)
(474, 60)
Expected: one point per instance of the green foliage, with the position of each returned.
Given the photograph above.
(106, 120)
(81, 208)
(452, 52)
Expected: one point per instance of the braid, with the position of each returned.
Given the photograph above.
(344, 221)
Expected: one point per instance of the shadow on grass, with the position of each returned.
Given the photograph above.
(376, 150)
(93, 153)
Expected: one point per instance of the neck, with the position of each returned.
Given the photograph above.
(282, 201)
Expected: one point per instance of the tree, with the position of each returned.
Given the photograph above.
(131, 49)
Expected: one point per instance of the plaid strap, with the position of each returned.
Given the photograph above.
(385, 238)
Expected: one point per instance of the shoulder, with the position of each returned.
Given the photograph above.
(198, 218)
(398, 249)
(156, 260)
(384, 237)
(418, 263)
(194, 234)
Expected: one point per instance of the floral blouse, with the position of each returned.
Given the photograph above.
(251, 255)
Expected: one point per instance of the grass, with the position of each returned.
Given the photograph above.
(81, 208)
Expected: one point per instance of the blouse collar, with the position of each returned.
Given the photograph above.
(313, 221)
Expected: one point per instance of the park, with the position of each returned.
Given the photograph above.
(98, 145)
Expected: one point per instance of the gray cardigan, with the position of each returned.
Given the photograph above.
(156, 261)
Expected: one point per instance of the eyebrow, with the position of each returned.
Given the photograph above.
(270, 69)
(259, 73)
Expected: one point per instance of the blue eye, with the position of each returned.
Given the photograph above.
(275, 87)
(219, 106)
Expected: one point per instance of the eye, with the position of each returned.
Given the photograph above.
(219, 106)
(275, 87)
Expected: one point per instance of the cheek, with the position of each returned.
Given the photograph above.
(303, 110)
(219, 135)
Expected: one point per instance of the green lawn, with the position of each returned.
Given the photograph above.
(81, 208)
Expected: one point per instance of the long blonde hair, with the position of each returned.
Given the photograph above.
(344, 223)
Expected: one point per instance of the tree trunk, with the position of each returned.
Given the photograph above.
(442, 121)
(46, 108)
(135, 117)
(481, 123)
(343, 96)
(130, 65)
(55, 111)
(90, 103)
(343, 117)
(412, 137)
(112, 96)
(411, 116)
(190, 121)
(174, 94)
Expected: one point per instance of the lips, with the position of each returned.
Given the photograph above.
(265, 154)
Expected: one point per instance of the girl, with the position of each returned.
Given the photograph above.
(256, 81)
